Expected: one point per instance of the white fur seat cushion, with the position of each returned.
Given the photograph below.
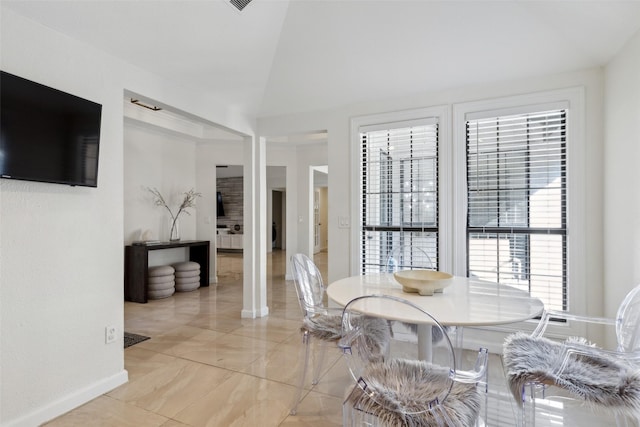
(598, 380)
(403, 390)
(328, 327)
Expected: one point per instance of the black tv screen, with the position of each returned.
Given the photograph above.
(219, 205)
(47, 135)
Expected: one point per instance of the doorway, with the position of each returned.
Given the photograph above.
(320, 209)
(277, 220)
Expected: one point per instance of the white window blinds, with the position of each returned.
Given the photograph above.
(399, 193)
(516, 203)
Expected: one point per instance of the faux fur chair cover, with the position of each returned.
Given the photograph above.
(403, 390)
(436, 333)
(598, 380)
(328, 327)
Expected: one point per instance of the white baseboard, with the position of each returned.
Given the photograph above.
(252, 314)
(69, 402)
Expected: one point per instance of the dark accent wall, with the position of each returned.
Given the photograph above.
(232, 199)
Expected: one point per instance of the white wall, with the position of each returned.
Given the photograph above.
(61, 248)
(341, 198)
(622, 175)
(324, 216)
(153, 158)
(307, 158)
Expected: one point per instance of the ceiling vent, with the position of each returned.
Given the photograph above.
(239, 4)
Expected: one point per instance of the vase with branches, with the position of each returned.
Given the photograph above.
(189, 201)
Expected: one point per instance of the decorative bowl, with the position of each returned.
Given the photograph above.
(423, 282)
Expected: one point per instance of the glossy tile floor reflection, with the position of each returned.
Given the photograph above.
(206, 366)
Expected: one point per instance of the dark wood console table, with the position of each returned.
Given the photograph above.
(136, 265)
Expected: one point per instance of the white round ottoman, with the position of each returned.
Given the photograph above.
(187, 276)
(161, 282)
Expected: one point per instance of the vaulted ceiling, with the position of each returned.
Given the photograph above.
(286, 56)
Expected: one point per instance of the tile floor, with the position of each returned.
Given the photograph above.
(206, 366)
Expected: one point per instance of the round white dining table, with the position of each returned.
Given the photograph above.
(465, 302)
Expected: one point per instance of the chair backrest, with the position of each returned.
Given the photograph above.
(361, 323)
(628, 322)
(408, 258)
(309, 285)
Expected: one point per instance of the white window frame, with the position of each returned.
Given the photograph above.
(452, 190)
(442, 115)
(573, 100)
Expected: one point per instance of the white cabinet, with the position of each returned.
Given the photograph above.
(223, 241)
(236, 241)
(229, 241)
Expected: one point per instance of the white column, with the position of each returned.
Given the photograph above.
(309, 213)
(304, 204)
(292, 216)
(254, 291)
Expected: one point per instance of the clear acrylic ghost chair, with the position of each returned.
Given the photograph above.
(601, 383)
(408, 258)
(393, 385)
(319, 321)
(413, 258)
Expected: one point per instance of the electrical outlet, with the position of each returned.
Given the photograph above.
(110, 334)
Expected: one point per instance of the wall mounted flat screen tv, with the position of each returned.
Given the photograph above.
(219, 205)
(47, 135)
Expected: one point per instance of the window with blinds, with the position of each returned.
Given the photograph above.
(399, 193)
(517, 204)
